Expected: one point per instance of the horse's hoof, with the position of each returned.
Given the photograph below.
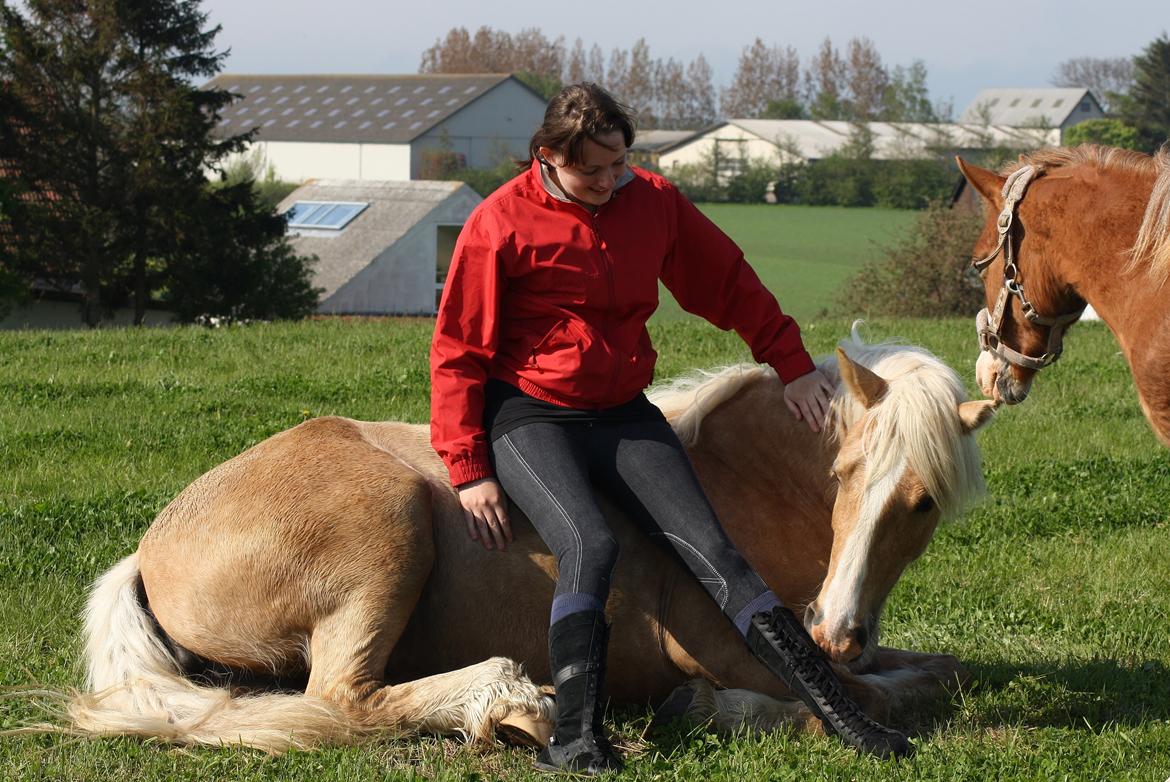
(522, 729)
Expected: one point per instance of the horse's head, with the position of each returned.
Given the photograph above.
(906, 459)
(1029, 302)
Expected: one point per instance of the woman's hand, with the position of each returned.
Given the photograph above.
(485, 509)
(808, 398)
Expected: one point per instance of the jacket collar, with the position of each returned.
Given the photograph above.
(554, 190)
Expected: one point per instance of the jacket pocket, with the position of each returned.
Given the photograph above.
(549, 339)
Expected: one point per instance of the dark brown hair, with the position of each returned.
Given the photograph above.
(576, 113)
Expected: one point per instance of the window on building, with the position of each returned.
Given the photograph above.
(328, 215)
(1086, 105)
(1014, 103)
(1037, 102)
(444, 249)
(993, 101)
(1056, 104)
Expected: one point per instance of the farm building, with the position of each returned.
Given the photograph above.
(649, 144)
(379, 127)
(1047, 107)
(782, 140)
(383, 248)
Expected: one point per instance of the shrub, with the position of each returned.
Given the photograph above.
(750, 184)
(1110, 132)
(927, 273)
(911, 184)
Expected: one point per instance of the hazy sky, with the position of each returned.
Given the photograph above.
(965, 46)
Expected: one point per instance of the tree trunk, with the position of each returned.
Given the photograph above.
(139, 286)
(91, 296)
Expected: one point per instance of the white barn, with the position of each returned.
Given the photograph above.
(379, 127)
(786, 141)
(382, 248)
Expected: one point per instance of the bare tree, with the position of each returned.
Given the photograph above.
(673, 94)
(639, 88)
(595, 66)
(1105, 76)
(764, 75)
(825, 83)
(535, 59)
(576, 69)
(618, 72)
(866, 80)
(701, 108)
(452, 54)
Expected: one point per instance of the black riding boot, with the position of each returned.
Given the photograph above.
(576, 651)
(781, 643)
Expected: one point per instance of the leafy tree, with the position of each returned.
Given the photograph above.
(907, 98)
(1110, 132)
(243, 270)
(785, 108)
(1146, 106)
(99, 118)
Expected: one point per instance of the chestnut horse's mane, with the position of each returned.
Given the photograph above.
(916, 424)
(1151, 247)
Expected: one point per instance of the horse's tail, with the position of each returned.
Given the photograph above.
(136, 686)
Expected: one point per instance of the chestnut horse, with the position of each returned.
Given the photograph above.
(336, 549)
(1084, 225)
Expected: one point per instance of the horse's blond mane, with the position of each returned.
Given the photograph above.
(1151, 248)
(916, 422)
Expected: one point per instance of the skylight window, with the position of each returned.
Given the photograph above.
(328, 215)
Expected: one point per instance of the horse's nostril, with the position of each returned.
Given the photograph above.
(813, 616)
(861, 636)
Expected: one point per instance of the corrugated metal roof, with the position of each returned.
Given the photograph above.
(395, 208)
(1017, 107)
(892, 141)
(658, 140)
(347, 109)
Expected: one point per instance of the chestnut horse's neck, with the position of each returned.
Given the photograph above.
(767, 476)
(1084, 223)
(1081, 222)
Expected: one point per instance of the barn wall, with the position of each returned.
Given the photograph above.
(298, 161)
(486, 131)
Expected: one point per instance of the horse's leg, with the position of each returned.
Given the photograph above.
(350, 647)
(729, 711)
(701, 643)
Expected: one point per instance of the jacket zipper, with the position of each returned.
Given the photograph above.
(607, 265)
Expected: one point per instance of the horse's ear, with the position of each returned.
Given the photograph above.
(975, 414)
(861, 382)
(987, 183)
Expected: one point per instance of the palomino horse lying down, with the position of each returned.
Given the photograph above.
(337, 549)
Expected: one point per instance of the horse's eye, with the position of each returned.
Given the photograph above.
(924, 505)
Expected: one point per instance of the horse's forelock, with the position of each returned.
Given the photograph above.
(916, 423)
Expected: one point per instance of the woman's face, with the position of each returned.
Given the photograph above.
(592, 180)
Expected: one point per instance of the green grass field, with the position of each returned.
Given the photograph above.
(803, 253)
(1055, 592)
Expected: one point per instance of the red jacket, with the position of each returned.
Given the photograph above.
(554, 299)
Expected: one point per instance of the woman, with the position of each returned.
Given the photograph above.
(538, 364)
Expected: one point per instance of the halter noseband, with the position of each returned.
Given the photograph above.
(989, 323)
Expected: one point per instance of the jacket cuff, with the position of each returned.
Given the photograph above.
(470, 469)
(794, 366)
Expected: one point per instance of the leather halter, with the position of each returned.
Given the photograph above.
(989, 323)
